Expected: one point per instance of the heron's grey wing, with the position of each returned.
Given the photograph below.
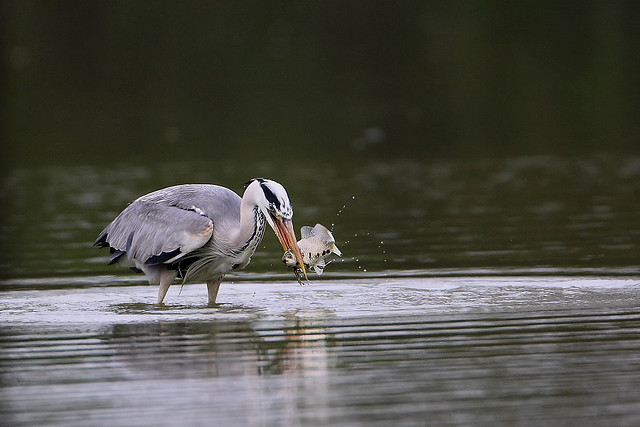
(154, 233)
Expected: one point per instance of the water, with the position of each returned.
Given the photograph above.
(491, 292)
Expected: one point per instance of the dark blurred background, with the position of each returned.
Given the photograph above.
(99, 81)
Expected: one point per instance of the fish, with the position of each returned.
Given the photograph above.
(316, 244)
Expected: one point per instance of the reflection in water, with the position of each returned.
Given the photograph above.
(228, 350)
(305, 349)
(220, 349)
(306, 358)
(144, 371)
(232, 353)
(527, 367)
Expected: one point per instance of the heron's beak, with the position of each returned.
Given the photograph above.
(287, 237)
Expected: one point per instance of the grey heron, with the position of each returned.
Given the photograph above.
(198, 232)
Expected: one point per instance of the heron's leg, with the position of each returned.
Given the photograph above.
(213, 287)
(166, 279)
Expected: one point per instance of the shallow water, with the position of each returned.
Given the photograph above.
(495, 292)
(400, 350)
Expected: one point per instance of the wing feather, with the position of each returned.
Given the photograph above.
(147, 229)
(167, 224)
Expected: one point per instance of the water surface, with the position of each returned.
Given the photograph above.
(495, 292)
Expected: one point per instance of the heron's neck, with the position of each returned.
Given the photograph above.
(252, 226)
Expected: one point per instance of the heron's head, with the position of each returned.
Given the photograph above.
(273, 201)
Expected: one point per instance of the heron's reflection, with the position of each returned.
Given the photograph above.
(298, 346)
(278, 366)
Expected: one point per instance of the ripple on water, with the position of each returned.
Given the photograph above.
(484, 366)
